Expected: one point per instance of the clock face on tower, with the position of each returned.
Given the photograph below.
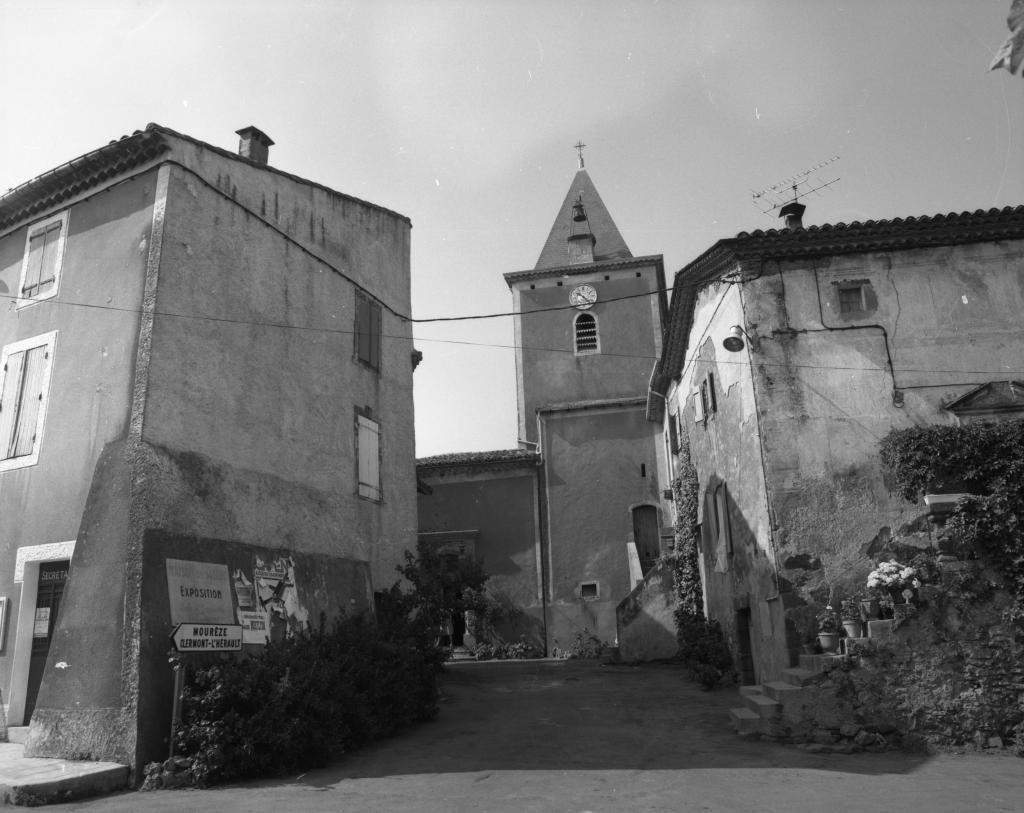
(583, 296)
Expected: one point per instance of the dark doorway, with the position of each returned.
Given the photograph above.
(52, 578)
(746, 664)
(646, 535)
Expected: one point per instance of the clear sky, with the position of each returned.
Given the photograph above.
(463, 116)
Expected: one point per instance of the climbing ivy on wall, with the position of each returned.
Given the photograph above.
(685, 491)
(702, 643)
(984, 459)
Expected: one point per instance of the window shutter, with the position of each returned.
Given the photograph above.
(34, 266)
(362, 328)
(673, 433)
(698, 407)
(375, 335)
(9, 402)
(30, 400)
(48, 261)
(722, 518)
(368, 441)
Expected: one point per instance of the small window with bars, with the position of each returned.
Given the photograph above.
(44, 256)
(586, 333)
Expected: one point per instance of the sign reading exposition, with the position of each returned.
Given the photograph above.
(199, 592)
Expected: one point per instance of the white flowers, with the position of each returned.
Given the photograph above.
(892, 574)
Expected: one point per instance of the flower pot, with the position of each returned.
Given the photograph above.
(870, 609)
(852, 629)
(829, 641)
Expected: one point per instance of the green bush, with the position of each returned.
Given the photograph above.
(302, 701)
(987, 459)
(702, 647)
(586, 645)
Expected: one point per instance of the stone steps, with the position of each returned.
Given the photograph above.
(771, 708)
(745, 721)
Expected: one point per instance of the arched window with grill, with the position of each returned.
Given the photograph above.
(586, 333)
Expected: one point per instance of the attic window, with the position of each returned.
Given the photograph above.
(856, 298)
(588, 591)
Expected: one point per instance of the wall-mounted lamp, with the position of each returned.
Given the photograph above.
(734, 341)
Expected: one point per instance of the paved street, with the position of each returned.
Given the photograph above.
(577, 736)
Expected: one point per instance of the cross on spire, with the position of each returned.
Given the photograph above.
(578, 146)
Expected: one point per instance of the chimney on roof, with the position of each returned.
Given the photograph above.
(793, 213)
(254, 144)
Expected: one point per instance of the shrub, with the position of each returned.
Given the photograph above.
(585, 645)
(989, 459)
(302, 701)
(702, 647)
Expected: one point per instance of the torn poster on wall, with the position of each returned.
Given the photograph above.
(268, 604)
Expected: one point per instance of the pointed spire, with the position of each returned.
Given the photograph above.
(604, 235)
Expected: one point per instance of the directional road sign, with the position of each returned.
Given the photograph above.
(207, 637)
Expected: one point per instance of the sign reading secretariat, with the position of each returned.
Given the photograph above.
(199, 592)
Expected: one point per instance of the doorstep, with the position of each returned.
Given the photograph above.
(33, 781)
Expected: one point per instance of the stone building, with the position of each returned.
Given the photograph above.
(206, 395)
(788, 355)
(583, 493)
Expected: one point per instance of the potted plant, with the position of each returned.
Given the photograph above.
(851, 616)
(828, 630)
(894, 581)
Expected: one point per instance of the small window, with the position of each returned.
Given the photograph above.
(856, 298)
(673, 434)
(586, 333)
(44, 256)
(368, 455)
(588, 591)
(706, 398)
(368, 331)
(851, 299)
(24, 391)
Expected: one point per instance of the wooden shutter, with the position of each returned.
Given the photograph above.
(368, 442)
(48, 263)
(9, 402)
(722, 519)
(673, 433)
(362, 320)
(33, 265)
(30, 400)
(375, 335)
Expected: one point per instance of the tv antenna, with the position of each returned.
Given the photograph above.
(791, 189)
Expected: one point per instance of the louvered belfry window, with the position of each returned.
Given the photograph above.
(586, 333)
